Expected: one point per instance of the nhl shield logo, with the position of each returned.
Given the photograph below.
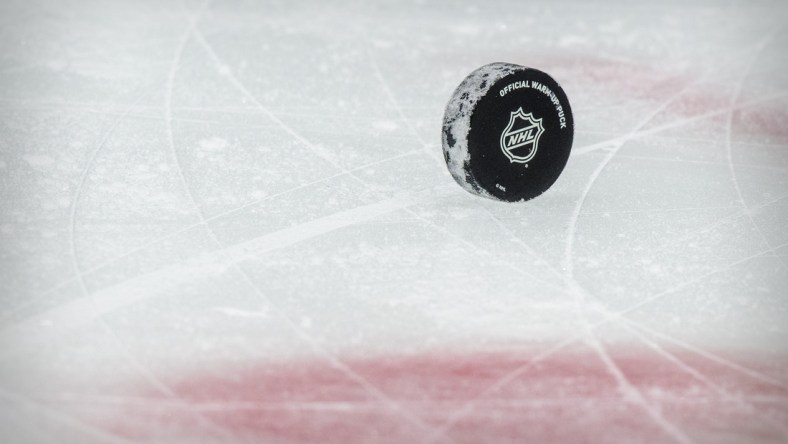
(520, 138)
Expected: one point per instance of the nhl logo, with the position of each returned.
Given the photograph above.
(520, 138)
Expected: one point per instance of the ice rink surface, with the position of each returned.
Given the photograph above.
(230, 222)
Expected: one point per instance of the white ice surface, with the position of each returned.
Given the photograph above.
(189, 184)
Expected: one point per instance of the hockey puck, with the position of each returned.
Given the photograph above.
(507, 132)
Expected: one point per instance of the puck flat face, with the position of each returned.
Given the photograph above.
(507, 132)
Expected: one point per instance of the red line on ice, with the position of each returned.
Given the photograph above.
(567, 398)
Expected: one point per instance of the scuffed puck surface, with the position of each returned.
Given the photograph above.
(507, 132)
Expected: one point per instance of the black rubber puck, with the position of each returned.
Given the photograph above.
(507, 132)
